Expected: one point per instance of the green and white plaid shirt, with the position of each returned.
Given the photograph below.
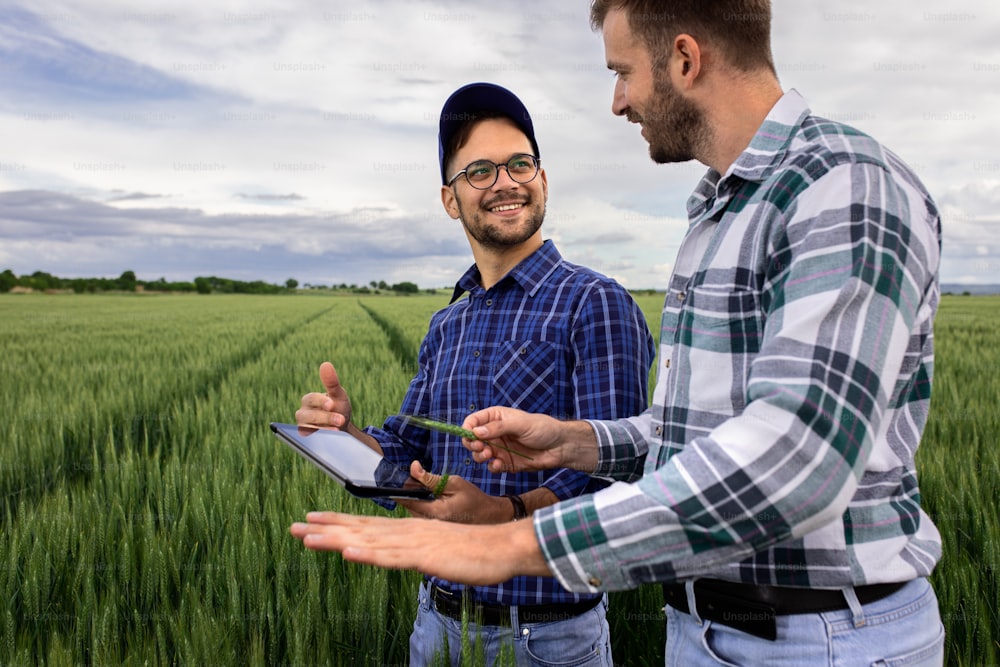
(796, 354)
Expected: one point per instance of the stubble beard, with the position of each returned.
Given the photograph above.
(675, 127)
(499, 236)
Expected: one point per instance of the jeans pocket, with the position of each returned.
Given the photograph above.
(929, 655)
(709, 641)
(581, 641)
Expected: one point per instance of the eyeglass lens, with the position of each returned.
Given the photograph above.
(482, 174)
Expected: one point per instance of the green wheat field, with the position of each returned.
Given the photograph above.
(144, 504)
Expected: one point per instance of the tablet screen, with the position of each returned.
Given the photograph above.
(362, 470)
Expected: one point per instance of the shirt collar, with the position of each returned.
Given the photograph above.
(763, 156)
(529, 274)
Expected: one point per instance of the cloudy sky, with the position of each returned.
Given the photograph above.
(269, 140)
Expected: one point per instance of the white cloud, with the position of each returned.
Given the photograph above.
(265, 139)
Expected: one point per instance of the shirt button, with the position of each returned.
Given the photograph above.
(594, 581)
(468, 461)
(523, 350)
(666, 364)
(472, 406)
(489, 302)
(476, 354)
(659, 430)
(681, 295)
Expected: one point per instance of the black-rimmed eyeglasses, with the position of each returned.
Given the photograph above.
(482, 174)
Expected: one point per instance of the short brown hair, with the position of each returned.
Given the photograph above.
(740, 29)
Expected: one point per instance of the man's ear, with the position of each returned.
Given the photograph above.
(449, 202)
(685, 61)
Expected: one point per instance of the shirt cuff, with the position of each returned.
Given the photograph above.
(621, 448)
(576, 548)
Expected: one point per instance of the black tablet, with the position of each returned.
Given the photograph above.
(360, 469)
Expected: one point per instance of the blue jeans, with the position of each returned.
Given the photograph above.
(582, 640)
(901, 629)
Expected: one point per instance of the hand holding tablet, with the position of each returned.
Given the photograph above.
(351, 463)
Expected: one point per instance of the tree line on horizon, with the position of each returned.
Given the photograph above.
(40, 281)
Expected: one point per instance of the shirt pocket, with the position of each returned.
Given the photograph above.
(527, 375)
(721, 332)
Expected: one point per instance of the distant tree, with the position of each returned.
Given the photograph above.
(85, 285)
(405, 288)
(291, 283)
(7, 280)
(202, 285)
(40, 280)
(158, 285)
(127, 281)
(374, 284)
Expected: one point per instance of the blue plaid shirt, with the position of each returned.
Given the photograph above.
(550, 337)
(798, 350)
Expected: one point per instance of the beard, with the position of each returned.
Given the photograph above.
(501, 236)
(675, 127)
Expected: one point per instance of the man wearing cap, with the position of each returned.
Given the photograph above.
(533, 332)
(771, 487)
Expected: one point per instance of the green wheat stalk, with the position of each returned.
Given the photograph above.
(451, 429)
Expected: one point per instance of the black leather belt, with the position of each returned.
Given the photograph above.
(450, 604)
(752, 608)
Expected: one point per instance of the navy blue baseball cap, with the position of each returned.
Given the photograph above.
(475, 98)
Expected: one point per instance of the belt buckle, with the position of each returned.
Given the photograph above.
(753, 618)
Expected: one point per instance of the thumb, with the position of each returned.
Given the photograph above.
(328, 375)
(428, 479)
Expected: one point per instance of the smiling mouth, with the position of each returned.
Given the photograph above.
(502, 208)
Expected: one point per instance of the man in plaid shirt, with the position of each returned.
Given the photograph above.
(524, 328)
(771, 487)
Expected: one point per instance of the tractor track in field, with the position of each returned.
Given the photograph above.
(146, 427)
(401, 349)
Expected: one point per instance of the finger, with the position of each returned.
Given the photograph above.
(328, 375)
(486, 455)
(312, 405)
(474, 446)
(501, 465)
(482, 448)
(316, 400)
(416, 508)
(492, 422)
(480, 417)
(497, 460)
(324, 537)
(299, 530)
(302, 530)
(322, 418)
(331, 531)
(359, 551)
(338, 519)
(428, 479)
